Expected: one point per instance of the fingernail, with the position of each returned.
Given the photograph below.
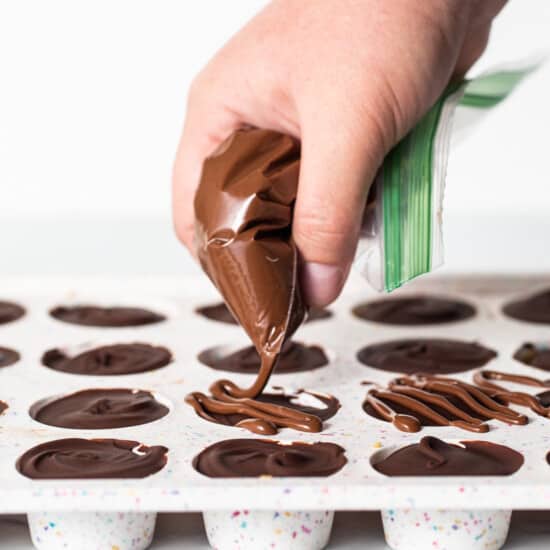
(321, 283)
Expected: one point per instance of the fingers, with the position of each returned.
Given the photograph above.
(208, 122)
(337, 170)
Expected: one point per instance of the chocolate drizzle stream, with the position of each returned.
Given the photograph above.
(254, 457)
(266, 413)
(534, 355)
(434, 457)
(533, 309)
(96, 316)
(219, 312)
(91, 459)
(243, 215)
(99, 408)
(426, 355)
(295, 357)
(414, 310)
(8, 357)
(109, 360)
(10, 312)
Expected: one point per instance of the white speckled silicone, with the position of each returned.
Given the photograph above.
(247, 530)
(409, 529)
(92, 530)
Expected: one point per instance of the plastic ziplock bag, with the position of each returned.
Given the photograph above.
(401, 236)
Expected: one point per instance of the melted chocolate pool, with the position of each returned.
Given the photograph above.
(10, 312)
(414, 310)
(96, 316)
(434, 457)
(295, 357)
(91, 459)
(426, 355)
(109, 360)
(8, 357)
(534, 355)
(254, 457)
(99, 408)
(533, 309)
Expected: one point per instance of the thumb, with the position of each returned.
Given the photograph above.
(337, 170)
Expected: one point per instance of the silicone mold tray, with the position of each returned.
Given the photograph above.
(178, 487)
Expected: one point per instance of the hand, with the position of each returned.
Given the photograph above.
(349, 78)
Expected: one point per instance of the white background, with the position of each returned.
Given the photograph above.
(92, 98)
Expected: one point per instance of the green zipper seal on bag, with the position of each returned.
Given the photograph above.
(407, 202)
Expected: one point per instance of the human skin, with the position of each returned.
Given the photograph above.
(349, 78)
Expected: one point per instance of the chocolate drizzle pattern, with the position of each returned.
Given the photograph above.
(219, 312)
(109, 360)
(434, 457)
(411, 402)
(99, 408)
(97, 316)
(266, 413)
(295, 357)
(10, 311)
(254, 457)
(8, 357)
(533, 309)
(91, 459)
(426, 355)
(414, 310)
(534, 355)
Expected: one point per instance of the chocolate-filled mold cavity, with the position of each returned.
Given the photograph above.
(433, 457)
(535, 355)
(303, 410)
(426, 355)
(219, 312)
(100, 316)
(254, 457)
(8, 357)
(295, 357)
(3, 406)
(109, 360)
(96, 409)
(532, 309)
(410, 402)
(75, 458)
(10, 311)
(414, 310)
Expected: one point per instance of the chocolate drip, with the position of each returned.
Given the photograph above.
(266, 413)
(8, 357)
(414, 310)
(534, 355)
(3, 406)
(533, 309)
(256, 457)
(10, 312)
(434, 457)
(414, 401)
(295, 357)
(91, 459)
(109, 360)
(219, 312)
(96, 316)
(427, 355)
(99, 408)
